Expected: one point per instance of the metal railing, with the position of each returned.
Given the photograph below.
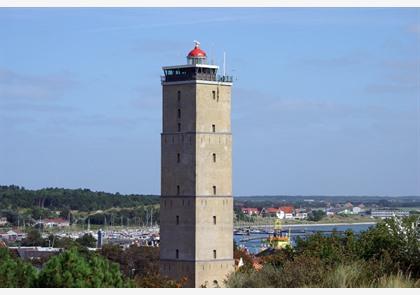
(206, 77)
(221, 78)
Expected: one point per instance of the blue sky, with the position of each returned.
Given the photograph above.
(325, 101)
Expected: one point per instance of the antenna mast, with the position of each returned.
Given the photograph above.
(224, 63)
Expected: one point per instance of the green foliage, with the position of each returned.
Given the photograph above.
(141, 264)
(59, 198)
(34, 238)
(316, 215)
(395, 239)
(246, 258)
(125, 216)
(15, 273)
(387, 255)
(157, 281)
(65, 243)
(87, 240)
(72, 269)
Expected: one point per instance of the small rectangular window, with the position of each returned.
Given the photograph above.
(177, 219)
(179, 127)
(213, 127)
(178, 157)
(177, 253)
(214, 94)
(214, 158)
(179, 113)
(214, 219)
(179, 96)
(178, 190)
(214, 254)
(214, 189)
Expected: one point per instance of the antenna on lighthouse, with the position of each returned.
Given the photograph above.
(224, 63)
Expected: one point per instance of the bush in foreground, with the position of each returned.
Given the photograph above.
(387, 255)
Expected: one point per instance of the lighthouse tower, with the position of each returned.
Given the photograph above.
(196, 208)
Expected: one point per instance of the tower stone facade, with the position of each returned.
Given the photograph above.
(196, 207)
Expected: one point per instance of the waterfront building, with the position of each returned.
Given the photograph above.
(269, 212)
(388, 213)
(285, 212)
(357, 210)
(196, 207)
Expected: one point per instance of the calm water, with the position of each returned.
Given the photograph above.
(253, 241)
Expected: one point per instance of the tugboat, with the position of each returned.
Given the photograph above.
(280, 239)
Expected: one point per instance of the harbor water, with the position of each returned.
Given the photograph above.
(253, 239)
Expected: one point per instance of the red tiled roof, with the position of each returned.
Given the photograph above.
(271, 210)
(287, 209)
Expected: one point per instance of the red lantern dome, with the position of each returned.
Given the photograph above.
(197, 52)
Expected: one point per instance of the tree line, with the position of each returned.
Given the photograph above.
(14, 197)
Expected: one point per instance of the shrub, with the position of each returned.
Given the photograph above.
(15, 273)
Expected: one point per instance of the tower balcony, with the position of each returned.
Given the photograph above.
(197, 76)
(192, 72)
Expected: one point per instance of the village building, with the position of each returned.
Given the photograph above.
(3, 221)
(250, 211)
(300, 214)
(389, 213)
(285, 212)
(269, 212)
(357, 210)
(54, 222)
(348, 205)
(12, 235)
(35, 253)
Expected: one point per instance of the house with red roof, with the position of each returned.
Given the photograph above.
(269, 212)
(285, 212)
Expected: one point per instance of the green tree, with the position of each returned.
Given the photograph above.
(71, 269)
(395, 241)
(316, 215)
(87, 240)
(15, 273)
(34, 238)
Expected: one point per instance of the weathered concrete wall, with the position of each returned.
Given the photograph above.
(203, 234)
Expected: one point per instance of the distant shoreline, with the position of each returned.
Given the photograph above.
(310, 224)
(330, 224)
